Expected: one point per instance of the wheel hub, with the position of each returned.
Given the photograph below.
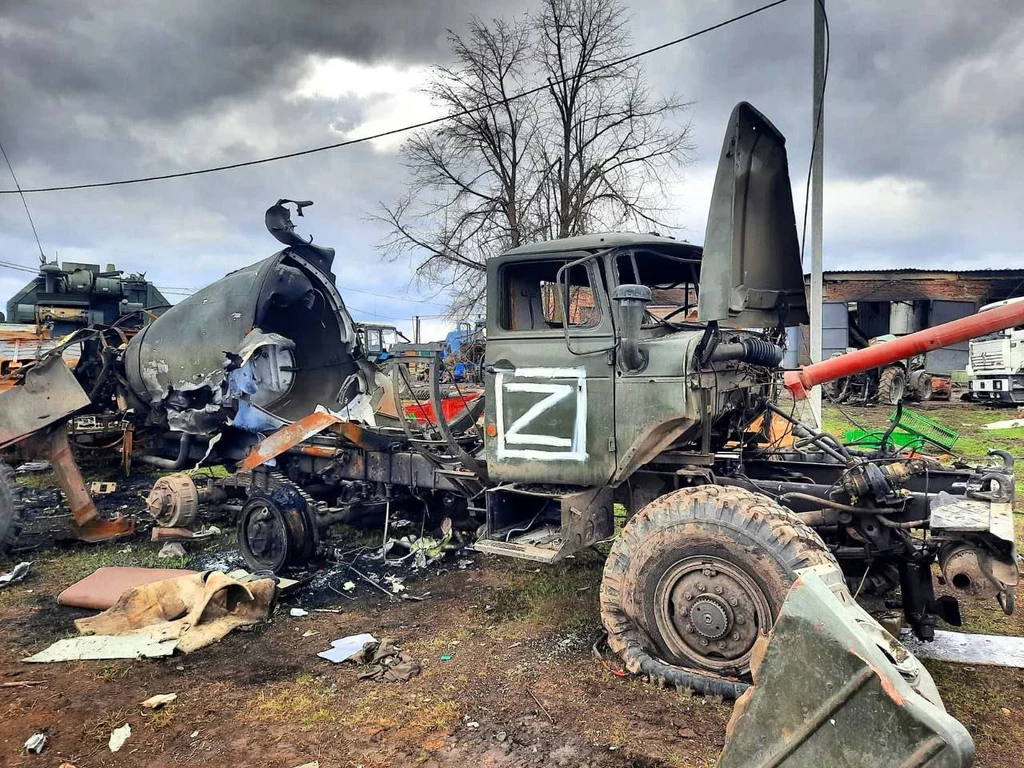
(709, 612)
(274, 532)
(711, 617)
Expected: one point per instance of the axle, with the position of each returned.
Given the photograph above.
(800, 381)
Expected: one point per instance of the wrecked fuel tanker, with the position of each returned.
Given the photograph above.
(591, 400)
(260, 348)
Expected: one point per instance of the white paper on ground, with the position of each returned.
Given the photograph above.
(119, 736)
(995, 650)
(106, 647)
(346, 647)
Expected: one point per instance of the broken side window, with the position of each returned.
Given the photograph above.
(533, 301)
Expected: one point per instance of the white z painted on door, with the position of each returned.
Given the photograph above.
(573, 444)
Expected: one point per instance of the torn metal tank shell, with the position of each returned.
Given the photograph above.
(833, 688)
(259, 348)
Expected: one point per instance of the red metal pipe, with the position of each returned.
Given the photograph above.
(1008, 316)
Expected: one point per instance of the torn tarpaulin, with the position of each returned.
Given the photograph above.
(387, 662)
(185, 613)
(196, 610)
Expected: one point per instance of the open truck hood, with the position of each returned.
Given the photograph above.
(751, 273)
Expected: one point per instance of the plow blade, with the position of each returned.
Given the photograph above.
(50, 394)
(832, 688)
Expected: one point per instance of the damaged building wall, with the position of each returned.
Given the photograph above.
(864, 304)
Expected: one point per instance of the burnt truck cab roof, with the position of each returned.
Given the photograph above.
(603, 240)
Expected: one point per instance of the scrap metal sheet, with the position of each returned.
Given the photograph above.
(963, 648)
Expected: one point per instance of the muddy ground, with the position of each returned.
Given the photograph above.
(518, 684)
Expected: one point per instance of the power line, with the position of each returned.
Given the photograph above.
(19, 267)
(406, 128)
(387, 296)
(24, 202)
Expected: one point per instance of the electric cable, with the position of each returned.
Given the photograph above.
(24, 202)
(817, 127)
(414, 126)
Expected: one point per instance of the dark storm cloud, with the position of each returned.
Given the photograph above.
(923, 137)
(151, 59)
(924, 145)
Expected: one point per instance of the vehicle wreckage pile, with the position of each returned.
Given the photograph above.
(736, 531)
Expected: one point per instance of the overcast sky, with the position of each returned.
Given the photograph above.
(924, 161)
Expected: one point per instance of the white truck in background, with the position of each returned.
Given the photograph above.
(996, 366)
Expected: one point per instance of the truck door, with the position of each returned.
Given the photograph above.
(550, 411)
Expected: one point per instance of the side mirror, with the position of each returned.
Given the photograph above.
(632, 300)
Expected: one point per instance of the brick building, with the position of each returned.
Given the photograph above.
(862, 304)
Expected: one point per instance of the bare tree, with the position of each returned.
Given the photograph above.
(467, 196)
(587, 153)
(606, 147)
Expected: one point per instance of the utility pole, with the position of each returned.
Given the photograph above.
(416, 329)
(817, 183)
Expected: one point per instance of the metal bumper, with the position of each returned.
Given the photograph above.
(832, 688)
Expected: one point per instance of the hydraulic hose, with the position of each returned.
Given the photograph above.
(753, 351)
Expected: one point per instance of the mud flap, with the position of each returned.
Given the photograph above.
(832, 688)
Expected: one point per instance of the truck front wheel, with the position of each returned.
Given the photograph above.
(696, 577)
(10, 510)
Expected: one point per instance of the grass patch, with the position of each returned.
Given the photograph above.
(74, 563)
(37, 481)
(969, 421)
(306, 703)
(161, 718)
(413, 715)
(559, 596)
(988, 700)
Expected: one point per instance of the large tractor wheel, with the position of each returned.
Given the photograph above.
(696, 577)
(837, 390)
(11, 520)
(892, 385)
(921, 386)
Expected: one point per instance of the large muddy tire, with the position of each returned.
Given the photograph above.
(921, 386)
(837, 390)
(696, 577)
(11, 520)
(892, 385)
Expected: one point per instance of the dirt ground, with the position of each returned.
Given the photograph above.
(509, 678)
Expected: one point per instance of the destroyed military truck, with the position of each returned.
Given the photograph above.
(64, 298)
(587, 408)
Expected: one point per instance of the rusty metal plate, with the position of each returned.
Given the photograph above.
(288, 437)
(49, 394)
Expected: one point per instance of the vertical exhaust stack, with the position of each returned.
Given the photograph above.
(800, 381)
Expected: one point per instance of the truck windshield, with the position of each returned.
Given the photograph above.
(673, 281)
